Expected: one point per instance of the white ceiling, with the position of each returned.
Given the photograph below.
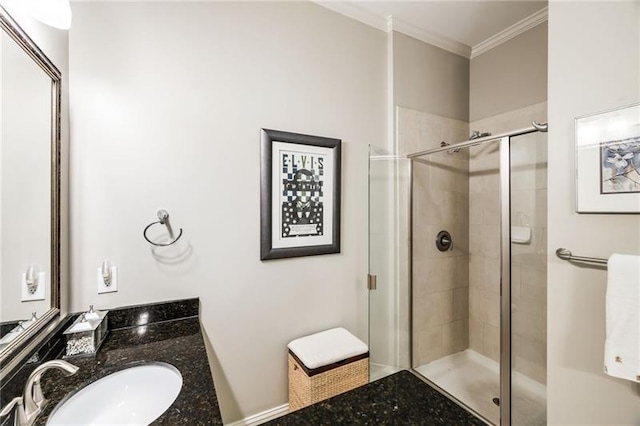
(465, 27)
(469, 23)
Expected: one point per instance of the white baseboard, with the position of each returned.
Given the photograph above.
(263, 417)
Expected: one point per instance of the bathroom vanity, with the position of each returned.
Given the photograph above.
(149, 334)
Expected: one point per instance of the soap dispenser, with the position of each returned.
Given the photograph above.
(86, 334)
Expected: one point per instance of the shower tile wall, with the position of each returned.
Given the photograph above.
(440, 202)
(484, 249)
(528, 208)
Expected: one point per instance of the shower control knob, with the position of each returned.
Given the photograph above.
(444, 241)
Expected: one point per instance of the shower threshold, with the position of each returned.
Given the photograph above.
(378, 371)
(474, 380)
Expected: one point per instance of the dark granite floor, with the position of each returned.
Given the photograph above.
(399, 399)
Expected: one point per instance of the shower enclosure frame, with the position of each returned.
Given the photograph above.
(505, 253)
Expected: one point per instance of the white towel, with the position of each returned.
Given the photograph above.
(622, 346)
(327, 347)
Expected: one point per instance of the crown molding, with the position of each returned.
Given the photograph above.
(461, 49)
(352, 11)
(507, 34)
(388, 24)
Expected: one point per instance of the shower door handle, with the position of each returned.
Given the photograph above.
(372, 282)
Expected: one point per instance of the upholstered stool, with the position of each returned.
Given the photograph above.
(325, 364)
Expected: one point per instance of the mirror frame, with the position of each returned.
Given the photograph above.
(14, 353)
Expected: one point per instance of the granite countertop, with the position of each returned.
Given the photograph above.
(175, 342)
(170, 333)
(399, 399)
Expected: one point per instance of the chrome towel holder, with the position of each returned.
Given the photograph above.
(163, 219)
(565, 254)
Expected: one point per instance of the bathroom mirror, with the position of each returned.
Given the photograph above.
(30, 190)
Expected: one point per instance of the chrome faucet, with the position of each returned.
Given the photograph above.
(31, 404)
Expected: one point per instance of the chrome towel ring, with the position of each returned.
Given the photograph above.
(163, 217)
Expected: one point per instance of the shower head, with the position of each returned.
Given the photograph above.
(477, 135)
(451, 151)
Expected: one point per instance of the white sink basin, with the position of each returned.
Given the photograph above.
(133, 396)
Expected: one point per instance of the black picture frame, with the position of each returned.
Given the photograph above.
(305, 221)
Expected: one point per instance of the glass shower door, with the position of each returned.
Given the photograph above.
(456, 291)
(528, 194)
(479, 306)
(389, 182)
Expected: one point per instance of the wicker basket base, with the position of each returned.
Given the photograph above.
(305, 390)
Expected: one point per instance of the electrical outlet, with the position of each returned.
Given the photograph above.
(113, 286)
(38, 294)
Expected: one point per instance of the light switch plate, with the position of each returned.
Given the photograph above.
(113, 287)
(39, 293)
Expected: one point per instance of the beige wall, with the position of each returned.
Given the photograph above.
(168, 101)
(594, 65)
(510, 76)
(429, 79)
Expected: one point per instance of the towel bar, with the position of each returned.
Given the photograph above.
(565, 254)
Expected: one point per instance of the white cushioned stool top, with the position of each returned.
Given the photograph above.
(327, 347)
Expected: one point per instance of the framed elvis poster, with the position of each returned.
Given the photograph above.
(608, 161)
(299, 195)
